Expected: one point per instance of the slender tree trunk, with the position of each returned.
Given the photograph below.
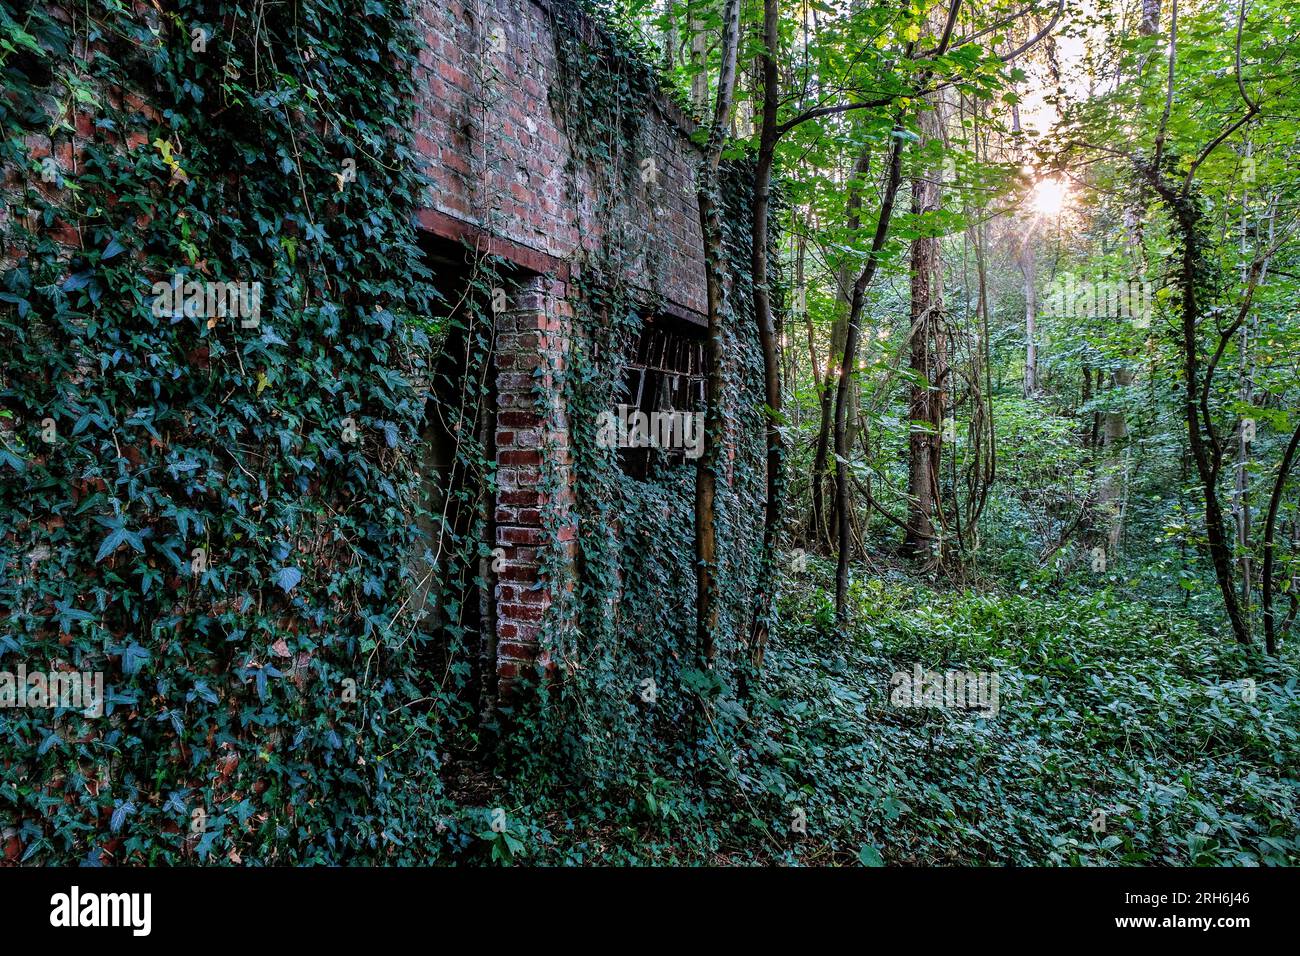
(894, 178)
(1241, 483)
(1270, 523)
(669, 58)
(1241, 486)
(1202, 438)
(801, 306)
(925, 409)
(1200, 429)
(814, 363)
(767, 334)
(821, 460)
(1029, 266)
(699, 57)
(715, 271)
(1114, 441)
(983, 430)
(1085, 399)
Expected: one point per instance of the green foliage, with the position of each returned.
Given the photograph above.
(225, 684)
(1189, 750)
(600, 724)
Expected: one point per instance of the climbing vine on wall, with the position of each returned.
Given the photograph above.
(215, 514)
(624, 634)
(218, 511)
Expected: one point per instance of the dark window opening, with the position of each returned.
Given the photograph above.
(664, 373)
(453, 598)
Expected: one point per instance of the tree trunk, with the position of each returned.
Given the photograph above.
(1150, 18)
(1200, 428)
(1241, 487)
(820, 526)
(1270, 523)
(715, 272)
(925, 408)
(1029, 266)
(767, 335)
(699, 59)
(1241, 483)
(1090, 431)
(669, 57)
(1114, 442)
(895, 170)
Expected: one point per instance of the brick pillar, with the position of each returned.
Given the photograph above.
(532, 439)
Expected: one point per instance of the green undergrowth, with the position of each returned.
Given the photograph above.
(1123, 735)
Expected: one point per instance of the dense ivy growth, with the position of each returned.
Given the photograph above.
(233, 520)
(631, 676)
(222, 523)
(221, 520)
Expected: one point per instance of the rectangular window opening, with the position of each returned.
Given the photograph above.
(664, 374)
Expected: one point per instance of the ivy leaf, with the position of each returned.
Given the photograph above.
(66, 614)
(115, 539)
(287, 578)
(870, 856)
(205, 844)
(120, 813)
(24, 306)
(176, 801)
(16, 34)
(178, 467)
(133, 658)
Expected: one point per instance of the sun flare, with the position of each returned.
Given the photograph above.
(1048, 197)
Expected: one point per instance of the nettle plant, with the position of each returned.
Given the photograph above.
(216, 516)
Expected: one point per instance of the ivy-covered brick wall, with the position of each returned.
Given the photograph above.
(216, 512)
(583, 174)
(597, 195)
(209, 510)
(491, 129)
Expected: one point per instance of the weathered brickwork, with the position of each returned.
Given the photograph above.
(499, 155)
(507, 177)
(532, 445)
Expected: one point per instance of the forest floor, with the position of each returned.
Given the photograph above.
(1123, 733)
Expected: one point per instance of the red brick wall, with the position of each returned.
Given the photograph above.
(498, 152)
(507, 175)
(532, 444)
